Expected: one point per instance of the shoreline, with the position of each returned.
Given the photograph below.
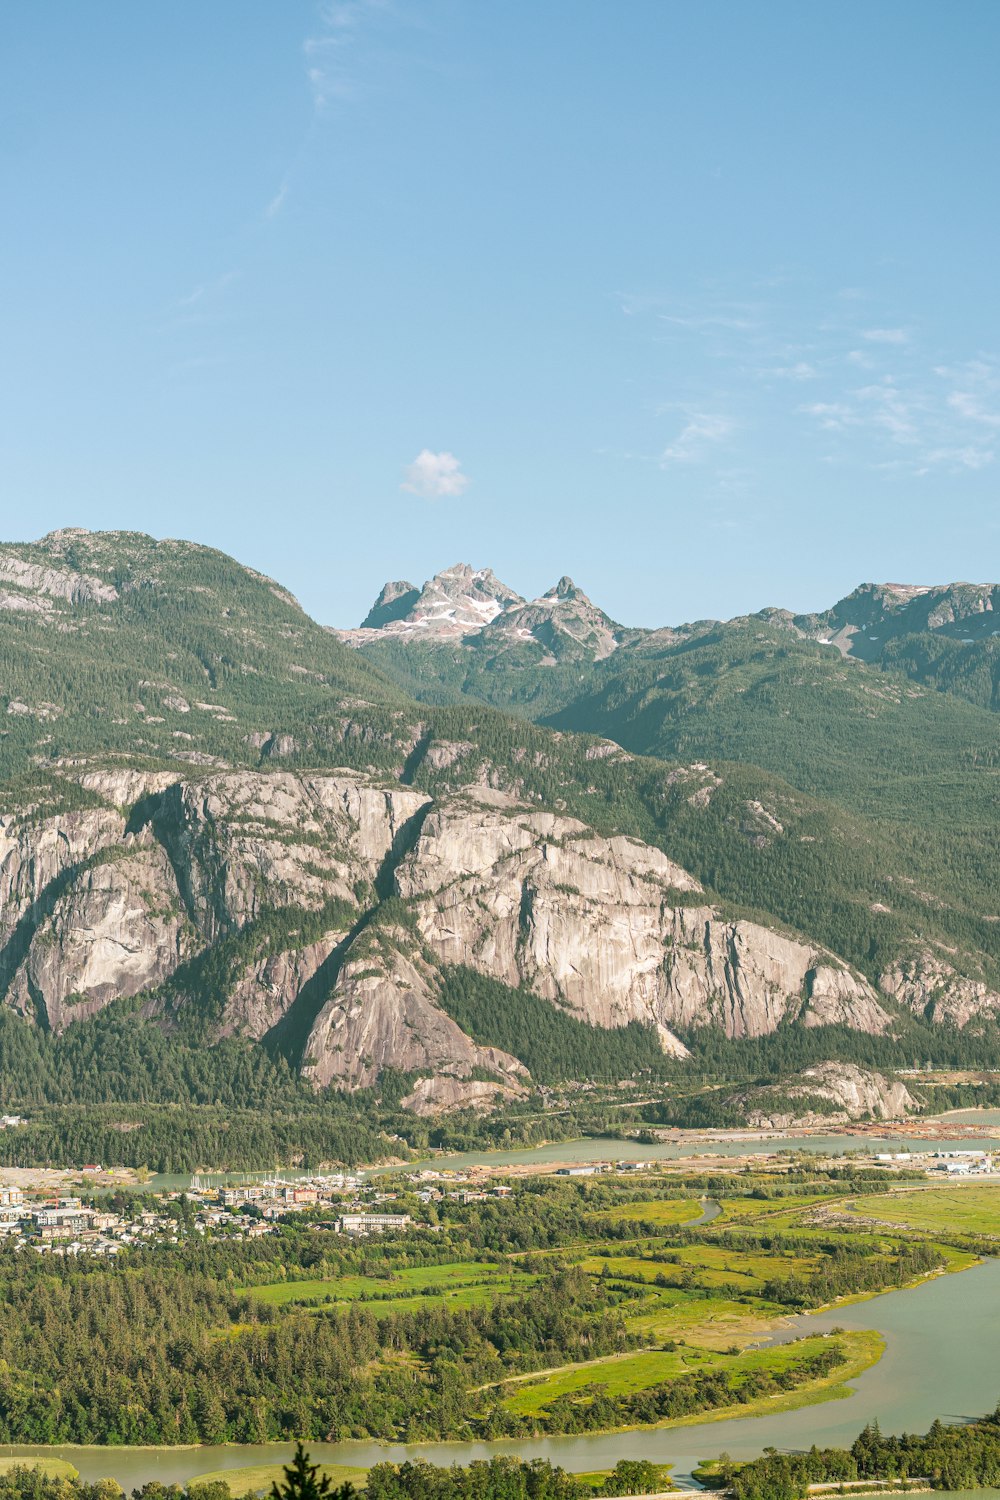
(696, 1145)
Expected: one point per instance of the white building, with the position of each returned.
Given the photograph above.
(372, 1223)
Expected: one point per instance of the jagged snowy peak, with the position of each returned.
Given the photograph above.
(560, 619)
(473, 607)
(472, 604)
(393, 603)
(453, 603)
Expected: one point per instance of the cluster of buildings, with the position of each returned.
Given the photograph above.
(596, 1168)
(274, 1199)
(952, 1163)
(965, 1163)
(65, 1225)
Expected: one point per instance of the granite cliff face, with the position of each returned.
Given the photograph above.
(606, 929)
(118, 899)
(31, 587)
(383, 1013)
(217, 813)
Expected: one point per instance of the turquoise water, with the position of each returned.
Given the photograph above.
(942, 1359)
(600, 1148)
(607, 1148)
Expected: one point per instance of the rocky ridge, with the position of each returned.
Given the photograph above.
(295, 872)
(472, 606)
(462, 604)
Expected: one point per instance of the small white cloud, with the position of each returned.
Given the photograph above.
(435, 476)
(885, 335)
(701, 431)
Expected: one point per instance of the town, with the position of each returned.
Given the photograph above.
(342, 1203)
(97, 1220)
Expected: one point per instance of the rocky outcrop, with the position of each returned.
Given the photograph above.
(443, 1095)
(242, 842)
(122, 787)
(830, 1093)
(54, 583)
(748, 979)
(265, 992)
(36, 851)
(930, 987)
(111, 900)
(383, 1013)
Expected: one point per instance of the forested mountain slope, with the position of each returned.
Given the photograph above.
(910, 770)
(464, 633)
(222, 823)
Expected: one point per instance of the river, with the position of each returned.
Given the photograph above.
(942, 1360)
(607, 1148)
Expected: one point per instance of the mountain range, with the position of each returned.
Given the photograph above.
(485, 845)
(947, 635)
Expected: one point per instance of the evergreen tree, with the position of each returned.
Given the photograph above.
(304, 1481)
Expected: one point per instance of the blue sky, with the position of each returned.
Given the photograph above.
(694, 301)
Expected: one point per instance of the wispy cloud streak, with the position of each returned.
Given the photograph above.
(879, 397)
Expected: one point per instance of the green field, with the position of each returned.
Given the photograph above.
(658, 1211)
(455, 1298)
(622, 1374)
(52, 1468)
(711, 1265)
(864, 1349)
(972, 1209)
(752, 1209)
(718, 1265)
(709, 1322)
(260, 1477)
(462, 1283)
(618, 1374)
